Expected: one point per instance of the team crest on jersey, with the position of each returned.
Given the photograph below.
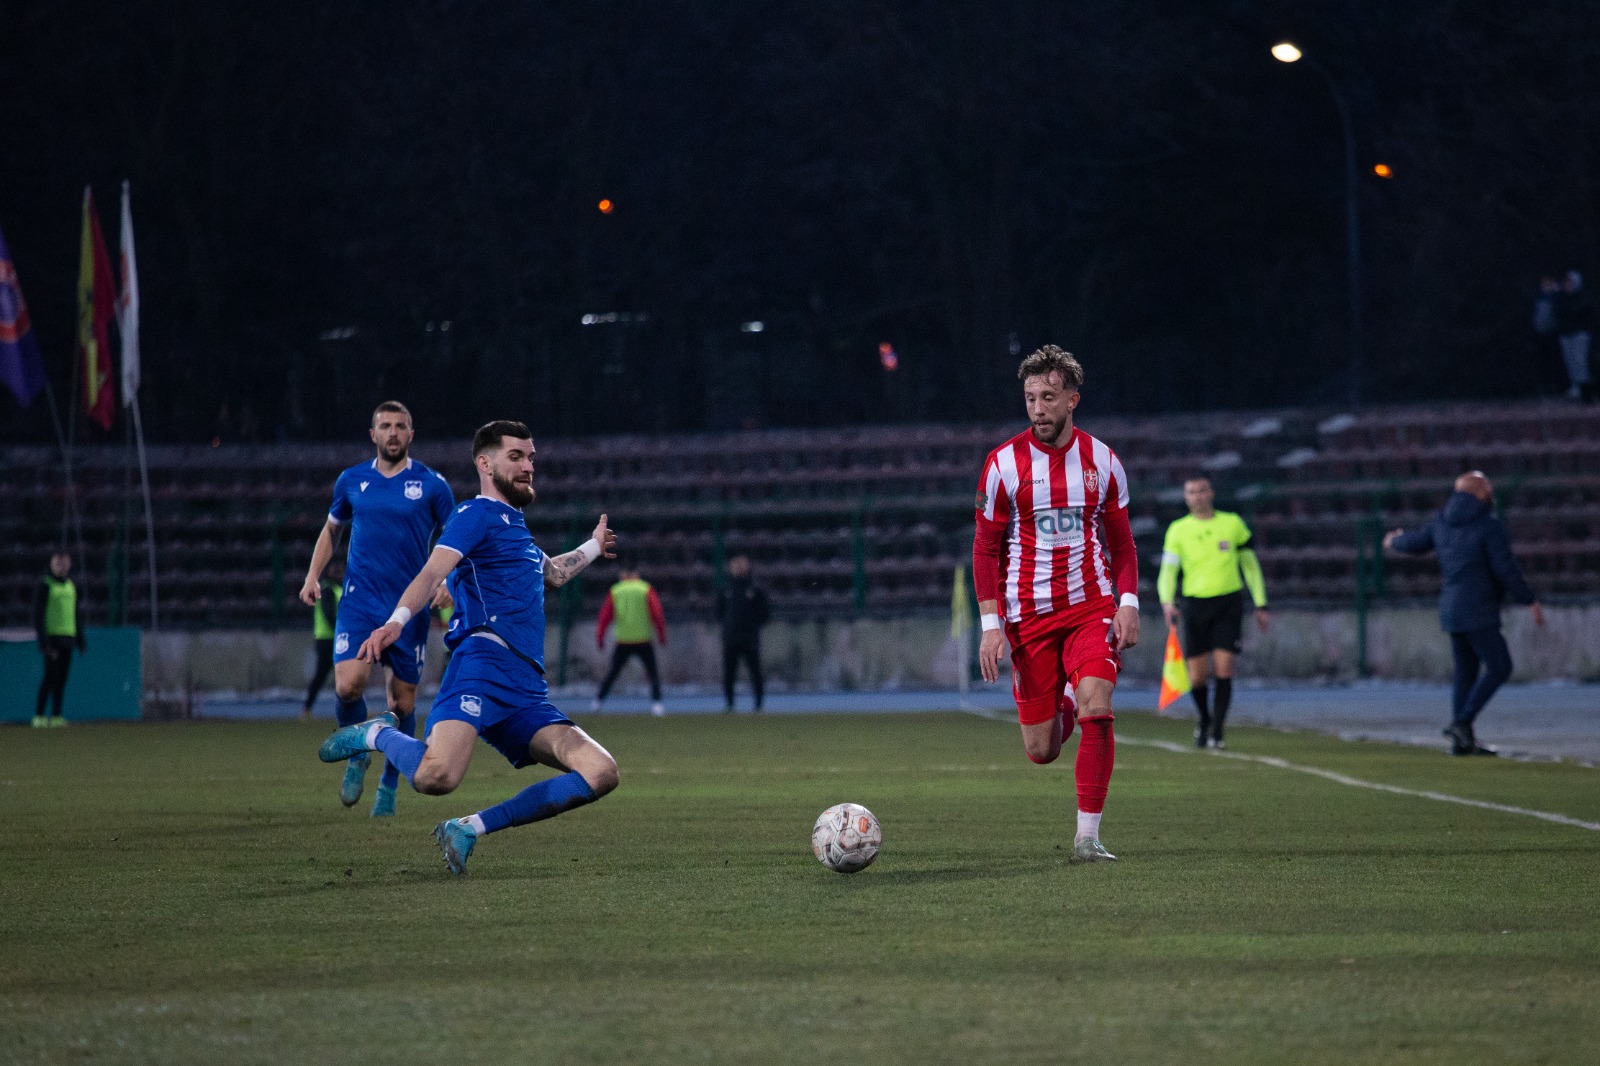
(1091, 480)
(471, 705)
(1223, 545)
(341, 643)
(413, 490)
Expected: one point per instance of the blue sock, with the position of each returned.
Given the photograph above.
(349, 712)
(391, 772)
(546, 799)
(403, 753)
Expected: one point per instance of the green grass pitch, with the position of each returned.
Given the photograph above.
(194, 893)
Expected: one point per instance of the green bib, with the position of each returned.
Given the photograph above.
(321, 628)
(631, 600)
(61, 608)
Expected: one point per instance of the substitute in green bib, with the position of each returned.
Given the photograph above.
(58, 625)
(1211, 549)
(633, 606)
(324, 620)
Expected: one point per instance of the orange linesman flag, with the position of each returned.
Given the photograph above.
(1174, 672)
(96, 304)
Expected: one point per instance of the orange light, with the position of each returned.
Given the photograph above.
(606, 207)
(1383, 170)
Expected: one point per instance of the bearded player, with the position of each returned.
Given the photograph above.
(1051, 554)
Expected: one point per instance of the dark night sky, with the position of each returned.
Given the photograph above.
(1136, 180)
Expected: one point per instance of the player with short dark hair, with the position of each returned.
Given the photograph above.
(1054, 566)
(393, 505)
(495, 684)
(1212, 550)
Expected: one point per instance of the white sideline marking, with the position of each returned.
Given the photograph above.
(1356, 782)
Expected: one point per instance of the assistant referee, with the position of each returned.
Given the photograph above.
(1212, 548)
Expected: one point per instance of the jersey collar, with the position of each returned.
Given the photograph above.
(397, 473)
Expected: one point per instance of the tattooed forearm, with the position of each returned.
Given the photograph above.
(560, 569)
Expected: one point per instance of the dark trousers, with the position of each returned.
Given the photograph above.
(751, 654)
(57, 661)
(1483, 662)
(319, 676)
(619, 659)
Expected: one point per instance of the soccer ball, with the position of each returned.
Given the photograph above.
(846, 838)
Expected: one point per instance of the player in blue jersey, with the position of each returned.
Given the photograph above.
(392, 505)
(494, 686)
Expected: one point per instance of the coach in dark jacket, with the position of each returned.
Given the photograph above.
(1479, 571)
(742, 609)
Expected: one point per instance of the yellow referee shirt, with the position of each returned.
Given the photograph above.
(1215, 557)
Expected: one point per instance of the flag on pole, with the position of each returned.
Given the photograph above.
(96, 305)
(1174, 673)
(128, 306)
(20, 366)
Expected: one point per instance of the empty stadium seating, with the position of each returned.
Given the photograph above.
(838, 521)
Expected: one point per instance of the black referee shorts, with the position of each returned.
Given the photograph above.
(1211, 623)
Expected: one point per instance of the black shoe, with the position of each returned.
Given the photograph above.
(1199, 738)
(1479, 749)
(1461, 739)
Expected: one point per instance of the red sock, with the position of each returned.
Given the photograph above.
(1097, 752)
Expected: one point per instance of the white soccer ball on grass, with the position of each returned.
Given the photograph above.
(846, 838)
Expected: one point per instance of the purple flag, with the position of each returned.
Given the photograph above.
(20, 366)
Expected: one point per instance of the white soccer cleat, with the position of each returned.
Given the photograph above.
(658, 710)
(1089, 849)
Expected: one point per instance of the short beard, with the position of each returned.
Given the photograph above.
(1055, 436)
(399, 453)
(515, 494)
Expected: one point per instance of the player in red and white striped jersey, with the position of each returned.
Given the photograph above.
(1054, 554)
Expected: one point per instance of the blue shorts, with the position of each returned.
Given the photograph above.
(355, 624)
(491, 689)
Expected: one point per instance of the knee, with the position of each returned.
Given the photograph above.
(1097, 708)
(601, 775)
(1042, 751)
(347, 689)
(435, 780)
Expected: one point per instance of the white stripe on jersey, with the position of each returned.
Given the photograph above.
(1006, 474)
(1077, 496)
(1043, 557)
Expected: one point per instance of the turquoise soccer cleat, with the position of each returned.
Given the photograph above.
(455, 839)
(355, 779)
(351, 740)
(383, 803)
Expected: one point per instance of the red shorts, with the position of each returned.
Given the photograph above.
(1050, 652)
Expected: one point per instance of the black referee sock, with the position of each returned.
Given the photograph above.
(1224, 699)
(1202, 702)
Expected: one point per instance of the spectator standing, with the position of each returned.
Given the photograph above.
(1574, 313)
(742, 608)
(1479, 571)
(58, 626)
(633, 606)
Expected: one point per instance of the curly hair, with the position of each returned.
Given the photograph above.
(1050, 358)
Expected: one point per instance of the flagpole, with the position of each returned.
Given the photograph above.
(149, 512)
(128, 327)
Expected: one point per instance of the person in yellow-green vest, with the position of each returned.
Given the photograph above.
(324, 620)
(58, 624)
(1212, 549)
(636, 610)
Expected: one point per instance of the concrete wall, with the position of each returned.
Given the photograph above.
(1403, 643)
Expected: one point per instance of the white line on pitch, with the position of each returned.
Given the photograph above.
(1355, 782)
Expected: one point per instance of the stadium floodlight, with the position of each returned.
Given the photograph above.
(752, 327)
(1285, 52)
